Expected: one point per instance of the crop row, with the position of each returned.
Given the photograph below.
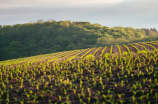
(125, 78)
(81, 53)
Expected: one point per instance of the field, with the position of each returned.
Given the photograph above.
(121, 74)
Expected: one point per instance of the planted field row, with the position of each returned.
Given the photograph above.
(119, 49)
(123, 79)
(96, 52)
(93, 75)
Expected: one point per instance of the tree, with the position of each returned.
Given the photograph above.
(64, 24)
(57, 48)
(0, 27)
(62, 41)
(71, 46)
(40, 21)
(15, 44)
(53, 36)
(116, 35)
(139, 35)
(12, 55)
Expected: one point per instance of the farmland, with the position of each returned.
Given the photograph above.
(120, 74)
(31, 39)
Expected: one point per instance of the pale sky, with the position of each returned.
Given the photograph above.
(126, 13)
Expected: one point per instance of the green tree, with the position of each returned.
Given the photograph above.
(62, 41)
(116, 35)
(71, 46)
(15, 44)
(12, 54)
(57, 48)
(41, 37)
(139, 35)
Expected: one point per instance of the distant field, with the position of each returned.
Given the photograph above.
(121, 74)
(96, 52)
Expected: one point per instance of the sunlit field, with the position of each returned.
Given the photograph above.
(121, 74)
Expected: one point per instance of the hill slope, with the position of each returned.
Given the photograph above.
(95, 52)
(73, 77)
(22, 40)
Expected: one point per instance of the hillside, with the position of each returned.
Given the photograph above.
(122, 74)
(29, 39)
(95, 52)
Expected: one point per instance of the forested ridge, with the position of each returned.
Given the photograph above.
(41, 37)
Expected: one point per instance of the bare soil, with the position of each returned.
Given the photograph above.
(126, 89)
(73, 54)
(139, 47)
(123, 49)
(90, 53)
(132, 49)
(115, 49)
(83, 53)
(147, 47)
(99, 52)
(155, 45)
(107, 50)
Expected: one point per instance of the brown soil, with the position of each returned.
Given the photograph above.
(83, 53)
(99, 52)
(92, 51)
(132, 49)
(147, 47)
(57, 54)
(123, 49)
(107, 50)
(126, 89)
(115, 49)
(73, 54)
(139, 47)
(155, 45)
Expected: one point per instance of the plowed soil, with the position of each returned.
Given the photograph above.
(147, 47)
(83, 53)
(99, 52)
(123, 49)
(155, 45)
(132, 49)
(92, 51)
(107, 50)
(139, 47)
(94, 81)
(115, 49)
(74, 54)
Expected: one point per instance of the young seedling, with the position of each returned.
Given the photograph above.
(133, 98)
(119, 95)
(156, 95)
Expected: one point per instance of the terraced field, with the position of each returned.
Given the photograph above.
(121, 74)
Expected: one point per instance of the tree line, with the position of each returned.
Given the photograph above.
(41, 37)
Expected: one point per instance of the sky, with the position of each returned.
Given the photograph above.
(125, 13)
